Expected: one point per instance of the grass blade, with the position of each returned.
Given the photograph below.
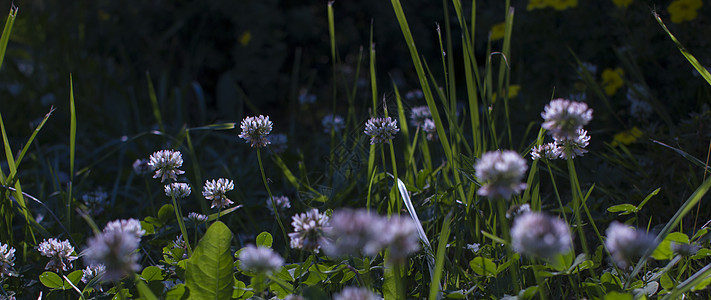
(6, 32)
(694, 62)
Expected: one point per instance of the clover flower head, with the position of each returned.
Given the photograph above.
(255, 131)
(177, 190)
(59, 252)
(399, 234)
(349, 231)
(517, 210)
(116, 250)
(501, 173)
(333, 122)
(282, 202)
(140, 166)
(92, 271)
(548, 151)
(540, 235)
(626, 243)
(430, 129)
(414, 94)
(277, 142)
(95, 197)
(419, 114)
(197, 218)
(569, 148)
(166, 164)
(355, 293)
(381, 130)
(260, 259)
(308, 230)
(129, 226)
(215, 190)
(563, 118)
(7, 260)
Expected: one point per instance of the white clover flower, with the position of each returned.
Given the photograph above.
(569, 148)
(277, 142)
(548, 151)
(501, 173)
(399, 235)
(255, 131)
(349, 231)
(116, 250)
(7, 260)
(282, 202)
(540, 235)
(215, 190)
(294, 297)
(166, 164)
(140, 166)
(355, 293)
(333, 122)
(59, 252)
(419, 114)
(92, 271)
(260, 259)
(517, 210)
(308, 230)
(430, 129)
(177, 190)
(197, 218)
(626, 243)
(129, 226)
(563, 118)
(414, 94)
(381, 130)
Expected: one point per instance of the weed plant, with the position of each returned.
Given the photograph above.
(461, 185)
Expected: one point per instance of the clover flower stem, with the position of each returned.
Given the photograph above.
(501, 204)
(395, 178)
(274, 206)
(542, 290)
(399, 286)
(557, 195)
(385, 169)
(150, 196)
(370, 188)
(577, 199)
(181, 224)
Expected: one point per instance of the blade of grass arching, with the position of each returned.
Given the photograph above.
(689, 283)
(405, 28)
(473, 101)
(32, 138)
(420, 231)
(404, 128)
(72, 150)
(13, 170)
(451, 84)
(692, 60)
(686, 155)
(435, 284)
(154, 102)
(374, 96)
(6, 32)
(675, 220)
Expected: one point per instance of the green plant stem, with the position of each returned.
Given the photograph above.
(397, 195)
(501, 204)
(269, 191)
(557, 195)
(399, 286)
(181, 224)
(575, 188)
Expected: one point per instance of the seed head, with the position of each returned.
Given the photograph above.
(255, 131)
(166, 164)
(215, 191)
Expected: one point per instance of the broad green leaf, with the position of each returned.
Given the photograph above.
(178, 292)
(152, 273)
(664, 251)
(52, 280)
(617, 296)
(483, 266)
(702, 253)
(239, 289)
(265, 239)
(209, 273)
(623, 209)
(74, 277)
(648, 290)
(702, 285)
(528, 293)
(166, 213)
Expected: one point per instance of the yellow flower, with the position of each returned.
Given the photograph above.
(245, 38)
(622, 3)
(563, 4)
(513, 92)
(626, 137)
(497, 31)
(536, 4)
(684, 10)
(612, 80)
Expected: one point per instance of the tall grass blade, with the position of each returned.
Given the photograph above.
(694, 62)
(6, 32)
(154, 102)
(439, 266)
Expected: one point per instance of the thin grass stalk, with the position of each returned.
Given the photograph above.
(577, 195)
(72, 151)
(154, 103)
(394, 165)
(6, 31)
(503, 222)
(196, 167)
(181, 223)
(435, 284)
(274, 206)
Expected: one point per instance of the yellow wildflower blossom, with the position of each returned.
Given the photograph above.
(622, 3)
(612, 80)
(563, 4)
(536, 4)
(627, 137)
(684, 10)
(513, 92)
(497, 31)
(245, 38)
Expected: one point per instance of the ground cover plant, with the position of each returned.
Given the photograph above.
(493, 164)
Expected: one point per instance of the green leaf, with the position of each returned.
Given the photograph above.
(6, 32)
(664, 251)
(178, 292)
(52, 280)
(666, 281)
(702, 285)
(652, 194)
(239, 289)
(75, 276)
(528, 293)
(209, 273)
(617, 296)
(152, 273)
(165, 214)
(483, 266)
(702, 253)
(624, 209)
(265, 239)
(648, 290)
